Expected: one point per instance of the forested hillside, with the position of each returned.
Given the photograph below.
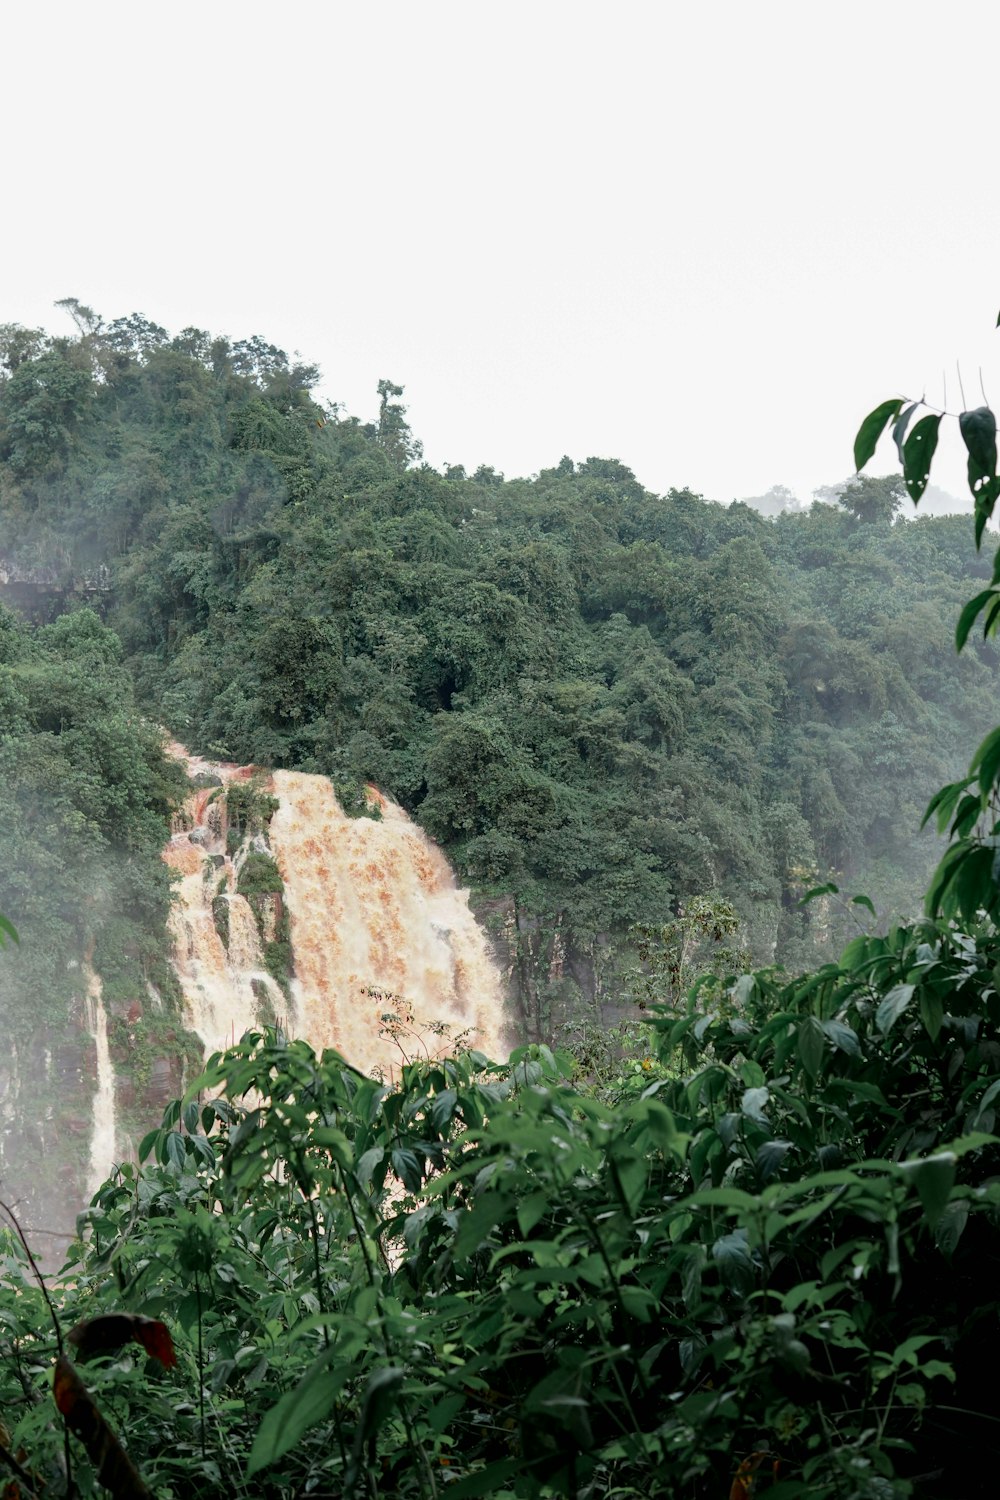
(601, 701)
(757, 1256)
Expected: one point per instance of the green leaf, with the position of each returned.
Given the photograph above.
(298, 1410)
(819, 890)
(987, 761)
(530, 1210)
(944, 875)
(985, 501)
(864, 901)
(918, 452)
(893, 1006)
(372, 1158)
(950, 1228)
(934, 1177)
(443, 1109)
(843, 1037)
(872, 429)
(731, 1254)
(943, 802)
(7, 931)
(931, 1011)
(336, 1143)
(769, 1158)
(175, 1149)
(899, 428)
(488, 1481)
(753, 1102)
(407, 1166)
(810, 1043)
(967, 815)
(973, 885)
(979, 433)
(379, 1399)
(631, 1171)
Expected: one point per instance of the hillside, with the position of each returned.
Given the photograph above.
(601, 702)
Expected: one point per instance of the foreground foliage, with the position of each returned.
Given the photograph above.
(482, 1281)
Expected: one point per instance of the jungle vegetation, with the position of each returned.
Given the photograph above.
(601, 701)
(760, 1261)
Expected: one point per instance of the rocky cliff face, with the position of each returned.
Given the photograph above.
(550, 976)
(40, 593)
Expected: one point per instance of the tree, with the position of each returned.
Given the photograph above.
(874, 501)
(393, 432)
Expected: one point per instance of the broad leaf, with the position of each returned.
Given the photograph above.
(918, 452)
(872, 429)
(899, 428)
(893, 1006)
(298, 1410)
(810, 1042)
(979, 433)
(934, 1177)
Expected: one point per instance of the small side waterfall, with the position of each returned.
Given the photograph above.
(102, 1140)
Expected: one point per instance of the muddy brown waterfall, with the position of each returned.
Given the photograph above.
(367, 908)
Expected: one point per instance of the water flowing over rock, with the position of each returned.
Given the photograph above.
(219, 962)
(352, 931)
(378, 927)
(102, 1140)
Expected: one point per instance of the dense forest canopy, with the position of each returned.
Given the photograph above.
(603, 702)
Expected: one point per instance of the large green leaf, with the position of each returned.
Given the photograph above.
(979, 433)
(893, 1006)
(970, 614)
(298, 1409)
(900, 425)
(918, 452)
(986, 760)
(934, 1177)
(872, 429)
(811, 1042)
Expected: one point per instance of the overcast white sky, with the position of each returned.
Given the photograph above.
(703, 239)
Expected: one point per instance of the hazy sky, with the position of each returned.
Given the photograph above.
(703, 239)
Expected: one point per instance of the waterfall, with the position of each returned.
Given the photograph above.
(222, 979)
(102, 1140)
(377, 927)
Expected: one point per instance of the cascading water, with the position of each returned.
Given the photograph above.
(102, 1140)
(375, 921)
(378, 926)
(223, 979)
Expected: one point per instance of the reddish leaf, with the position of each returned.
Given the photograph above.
(66, 1386)
(745, 1482)
(154, 1337)
(109, 1331)
(115, 1469)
